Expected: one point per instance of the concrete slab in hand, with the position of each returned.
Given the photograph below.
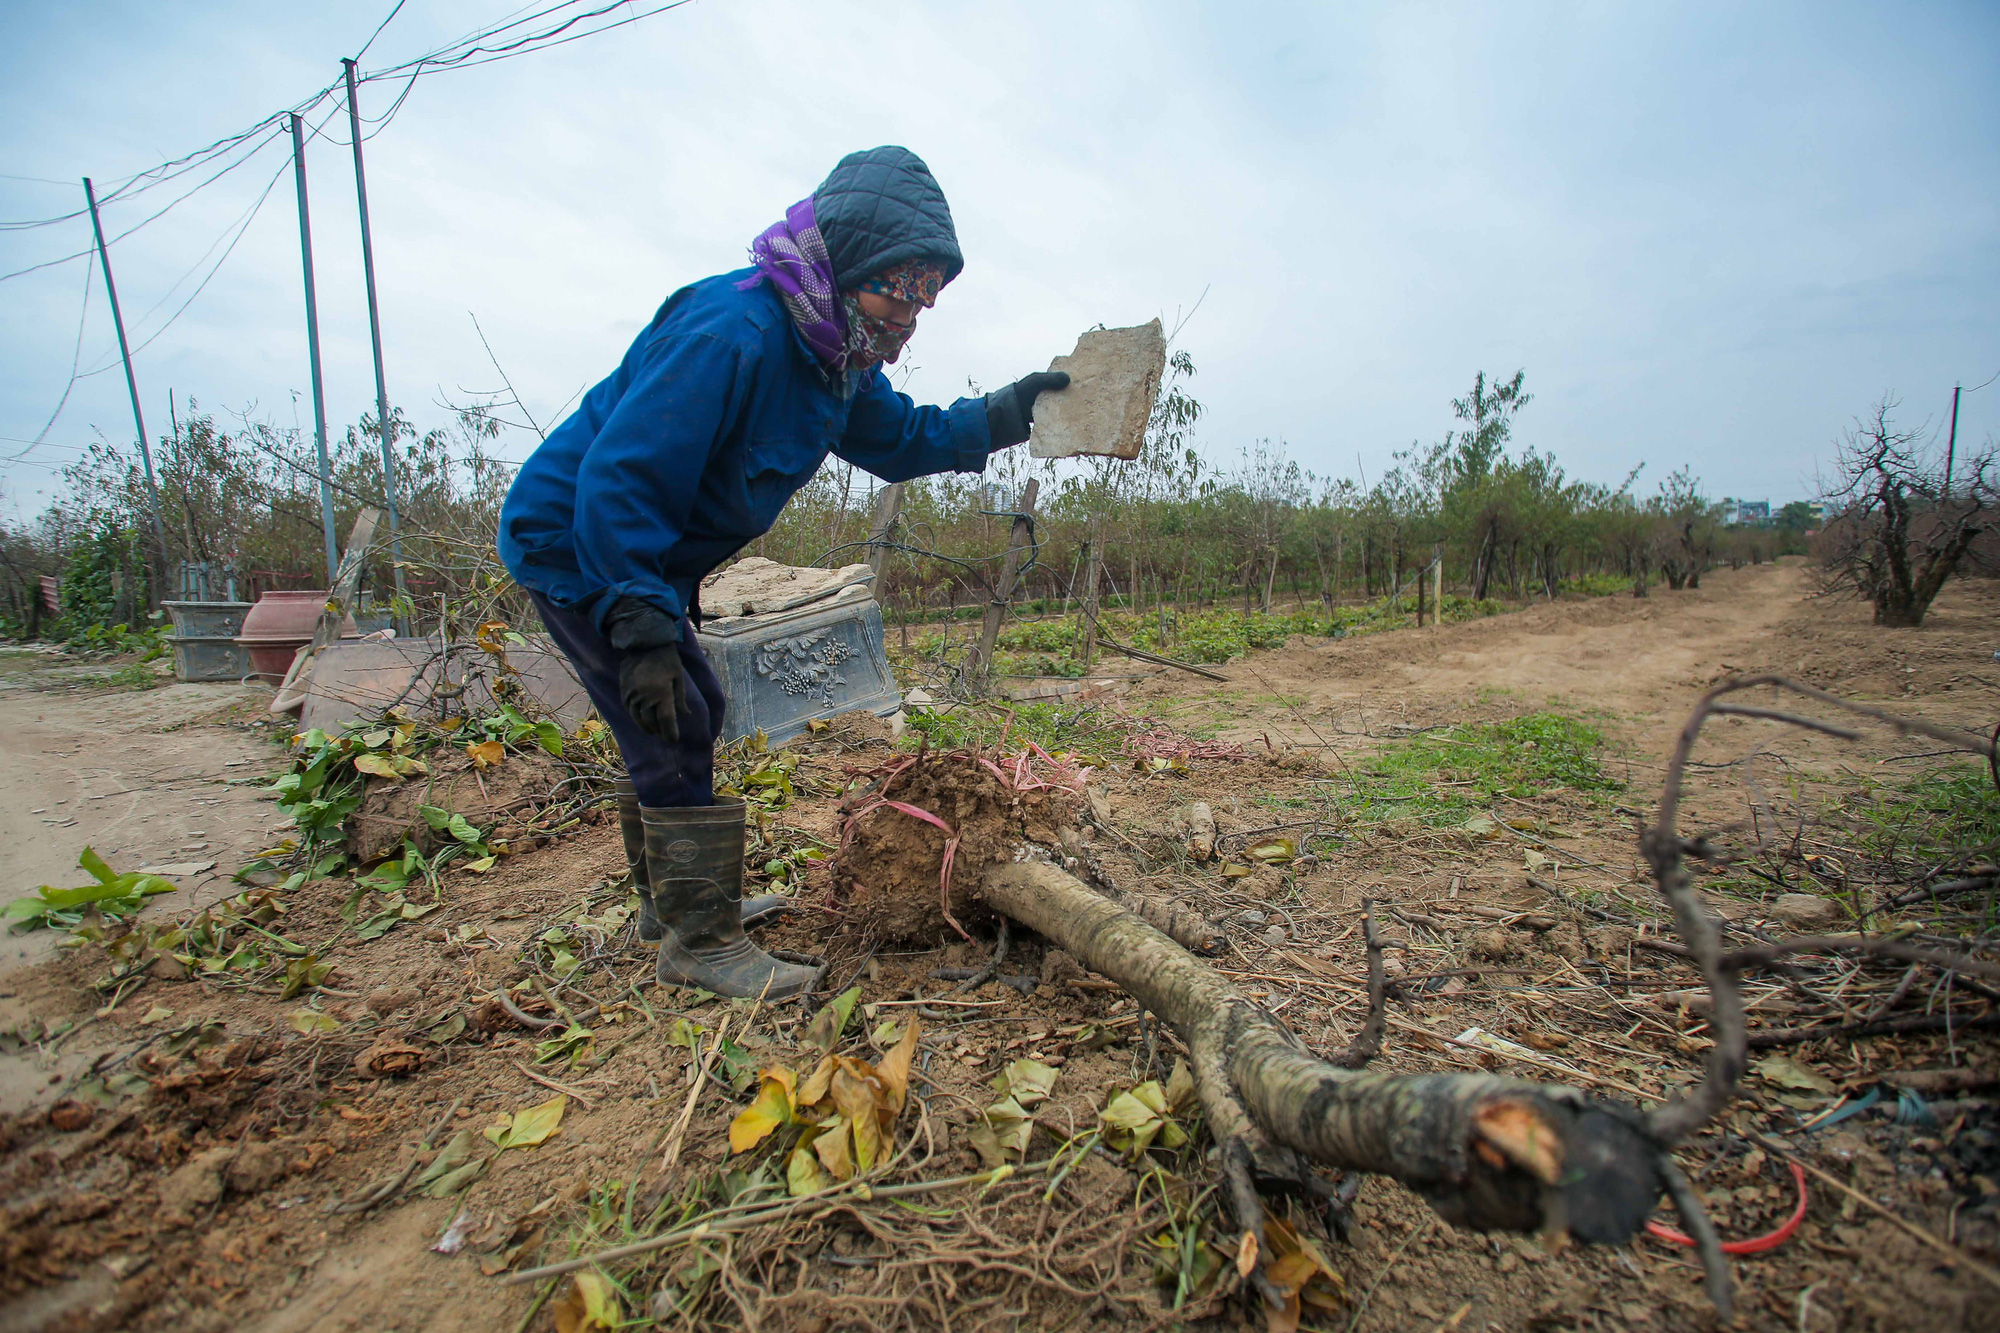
(1114, 375)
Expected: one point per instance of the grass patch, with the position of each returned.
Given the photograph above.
(1444, 778)
(1085, 730)
(1947, 815)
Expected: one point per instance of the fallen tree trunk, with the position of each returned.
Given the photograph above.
(1487, 1152)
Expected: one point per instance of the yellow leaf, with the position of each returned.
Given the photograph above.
(756, 1122)
(591, 1304)
(312, 1020)
(861, 1099)
(526, 1128)
(814, 1090)
(802, 1175)
(376, 765)
(784, 1076)
(1273, 851)
(486, 754)
(1237, 870)
(894, 1071)
(831, 1147)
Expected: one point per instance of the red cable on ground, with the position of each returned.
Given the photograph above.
(1758, 1244)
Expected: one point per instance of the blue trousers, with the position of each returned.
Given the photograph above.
(663, 772)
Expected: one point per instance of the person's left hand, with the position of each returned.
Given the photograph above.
(1011, 411)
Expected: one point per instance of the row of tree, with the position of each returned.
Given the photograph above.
(1173, 527)
(240, 505)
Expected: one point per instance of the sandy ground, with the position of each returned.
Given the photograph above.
(144, 777)
(260, 1260)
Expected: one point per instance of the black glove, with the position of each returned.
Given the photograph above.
(653, 688)
(1010, 411)
(651, 684)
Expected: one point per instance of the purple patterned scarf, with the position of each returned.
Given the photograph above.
(791, 255)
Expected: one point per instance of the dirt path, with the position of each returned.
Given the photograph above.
(1642, 660)
(268, 1256)
(141, 776)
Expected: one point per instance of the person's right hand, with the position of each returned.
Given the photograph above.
(653, 688)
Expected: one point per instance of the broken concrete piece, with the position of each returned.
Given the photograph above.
(1805, 911)
(355, 679)
(754, 586)
(178, 869)
(1114, 375)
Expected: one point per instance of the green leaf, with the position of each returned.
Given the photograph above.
(827, 1025)
(94, 863)
(436, 816)
(312, 1020)
(551, 737)
(463, 831)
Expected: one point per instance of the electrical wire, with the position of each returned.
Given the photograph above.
(75, 360)
(452, 55)
(378, 30)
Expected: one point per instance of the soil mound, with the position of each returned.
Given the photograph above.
(892, 861)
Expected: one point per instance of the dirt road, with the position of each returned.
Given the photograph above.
(146, 775)
(141, 776)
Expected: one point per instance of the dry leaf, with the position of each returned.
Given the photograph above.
(813, 1091)
(526, 1128)
(831, 1147)
(1246, 1255)
(588, 1306)
(1786, 1072)
(894, 1071)
(378, 766)
(486, 754)
(762, 1117)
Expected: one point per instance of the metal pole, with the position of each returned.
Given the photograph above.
(131, 381)
(386, 425)
(312, 347)
(1951, 444)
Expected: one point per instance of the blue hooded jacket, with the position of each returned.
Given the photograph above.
(720, 412)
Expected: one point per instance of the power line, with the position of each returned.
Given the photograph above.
(378, 29)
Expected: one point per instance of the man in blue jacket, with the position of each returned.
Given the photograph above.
(725, 406)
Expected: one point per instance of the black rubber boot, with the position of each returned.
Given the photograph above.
(694, 856)
(633, 830)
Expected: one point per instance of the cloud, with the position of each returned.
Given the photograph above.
(1710, 235)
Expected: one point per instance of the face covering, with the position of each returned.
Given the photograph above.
(791, 255)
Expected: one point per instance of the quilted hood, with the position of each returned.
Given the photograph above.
(880, 207)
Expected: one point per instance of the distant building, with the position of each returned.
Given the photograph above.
(1746, 513)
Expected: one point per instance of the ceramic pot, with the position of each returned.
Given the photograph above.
(279, 625)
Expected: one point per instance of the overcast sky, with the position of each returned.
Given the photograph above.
(1711, 234)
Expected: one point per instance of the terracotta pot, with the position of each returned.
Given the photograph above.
(279, 625)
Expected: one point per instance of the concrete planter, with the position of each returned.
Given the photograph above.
(205, 646)
(781, 671)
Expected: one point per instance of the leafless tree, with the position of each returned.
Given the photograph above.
(1897, 526)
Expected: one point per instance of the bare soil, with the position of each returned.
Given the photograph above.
(207, 1203)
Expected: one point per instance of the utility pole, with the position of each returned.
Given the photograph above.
(131, 381)
(312, 347)
(1951, 442)
(386, 427)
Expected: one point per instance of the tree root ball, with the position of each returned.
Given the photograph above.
(890, 864)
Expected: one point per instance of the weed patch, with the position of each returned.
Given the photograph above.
(1445, 777)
